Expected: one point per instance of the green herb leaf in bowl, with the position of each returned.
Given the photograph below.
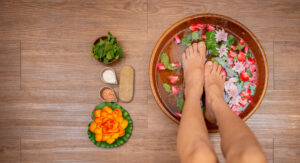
(107, 50)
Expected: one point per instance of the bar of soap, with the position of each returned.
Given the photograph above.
(126, 84)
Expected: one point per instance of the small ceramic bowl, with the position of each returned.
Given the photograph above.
(106, 87)
(96, 41)
(101, 75)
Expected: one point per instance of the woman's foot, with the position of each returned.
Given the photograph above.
(214, 88)
(193, 65)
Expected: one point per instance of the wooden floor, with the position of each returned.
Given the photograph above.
(49, 83)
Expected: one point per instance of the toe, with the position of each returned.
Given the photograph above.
(215, 67)
(208, 68)
(219, 69)
(183, 57)
(195, 49)
(187, 53)
(191, 50)
(202, 48)
(223, 78)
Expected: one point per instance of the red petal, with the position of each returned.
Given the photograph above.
(161, 66)
(251, 60)
(178, 114)
(233, 47)
(200, 26)
(242, 42)
(244, 76)
(253, 68)
(230, 61)
(175, 90)
(232, 54)
(246, 49)
(177, 39)
(241, 57)
(173, 79)
(203, 37)
(177, 64)
(223, 72)
(194, 27)
(210, 28)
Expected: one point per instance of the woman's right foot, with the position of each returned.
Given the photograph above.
(214, 88)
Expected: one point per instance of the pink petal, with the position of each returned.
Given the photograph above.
(194, 27)
(177, 39)
(254, 74)
(246, 49)
(173, 79)
(242, 42)
(161, 66)
(178, 114)
(253, 68)
(247, 93)
(232, 54)
(203, 37)
(177, 64)
(230, 62)
(233, 47)
(247, 86)
(174, 90)
(210, 28)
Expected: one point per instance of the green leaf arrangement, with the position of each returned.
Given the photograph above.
(121, 140)
(107, 50)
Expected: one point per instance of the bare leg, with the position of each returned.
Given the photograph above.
(238, 142)
(192, 142)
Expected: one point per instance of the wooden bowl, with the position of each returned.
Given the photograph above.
(95, 42)
(235, 28)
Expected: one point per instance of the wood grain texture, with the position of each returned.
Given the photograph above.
(53, 83)
(10, 63)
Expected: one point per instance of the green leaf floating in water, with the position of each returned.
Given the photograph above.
(180, 103)
(187, 39)
(167, 87)
(240, 47)
(120, 140)
(164, 59)
(211, 43)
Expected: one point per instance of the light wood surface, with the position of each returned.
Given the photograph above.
(49, 84)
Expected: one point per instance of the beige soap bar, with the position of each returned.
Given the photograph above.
(126, 84)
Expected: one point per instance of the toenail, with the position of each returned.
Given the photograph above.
(209, 63)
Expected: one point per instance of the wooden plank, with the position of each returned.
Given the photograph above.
(286, 66)
(10, 62)
(287, 150)
(76, 20)
(10, 148)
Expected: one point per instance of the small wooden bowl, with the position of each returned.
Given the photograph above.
(95, 42)
(101, 75)
(219, 20)
(106, 87)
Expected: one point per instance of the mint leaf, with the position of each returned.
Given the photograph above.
(180, 103)
(211, 43)
(240, 47)
(195, 35)
(167, 87)
(170, 67)
(211, 35)
(230, 41)
(187, 39)
(164, 58)
(249, 55)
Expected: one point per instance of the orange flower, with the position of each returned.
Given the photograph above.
(108, 124)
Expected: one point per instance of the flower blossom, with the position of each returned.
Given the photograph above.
(222, 50)
(238, 67)
(221, 35)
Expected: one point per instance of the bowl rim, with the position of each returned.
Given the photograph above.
(151, 63)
